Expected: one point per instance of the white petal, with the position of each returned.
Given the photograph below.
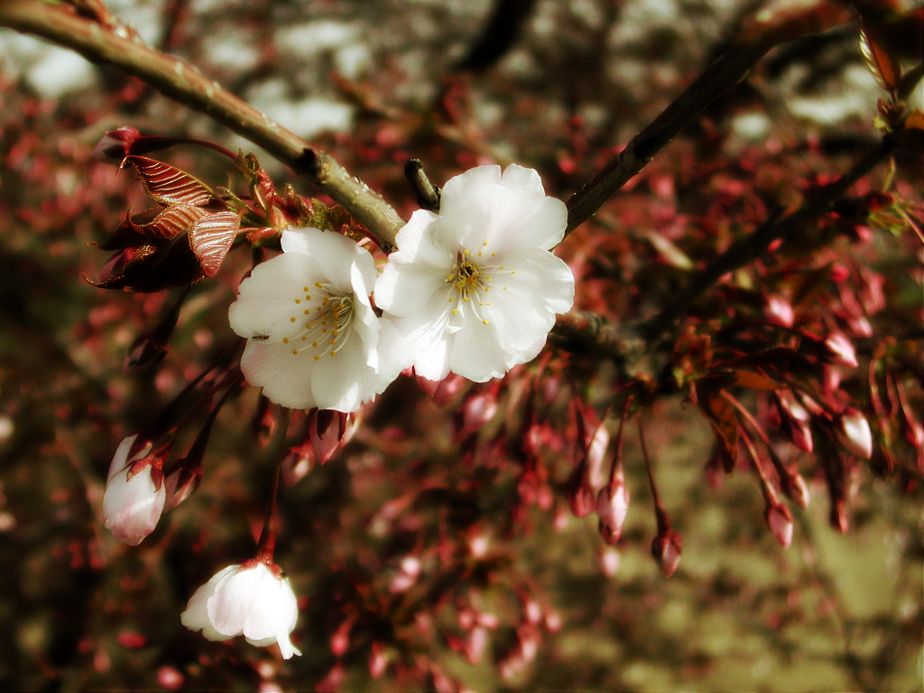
(415, 242)
(232, 600)
(521, 177)
(343, 382)
(474, 352)
(459, 191)
(285, 377)
(333, 252)
(405, 289)
(120, 457)
(195, 616)
(266, 301)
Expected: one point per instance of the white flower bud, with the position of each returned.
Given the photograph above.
(854, 434)
(134, 497)
(252, 599)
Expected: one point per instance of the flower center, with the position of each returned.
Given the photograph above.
(469, 283)
(325, 325)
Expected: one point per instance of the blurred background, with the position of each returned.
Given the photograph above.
(509, 589)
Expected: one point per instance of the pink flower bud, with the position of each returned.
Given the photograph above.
(798, 490)
(135, 493)
(840, 350)
(666, 549)
(613, 506)
(116, 144)
(779, 311)
(779, 520)
(328, 431)
(854, 434)
(609, 561)
(378, 661)
(580, 493)
(477, 411)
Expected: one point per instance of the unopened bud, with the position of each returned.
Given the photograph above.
(442, 391)
(779, 521)
(854, 434)
(378, 661)
(840, 350)
(797, 489)
(666, 549)
(779, 311)
(478, 410)
(612, 508)
(115, 145)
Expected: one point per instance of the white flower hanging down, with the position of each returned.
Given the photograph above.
(474, 289)
(252, 599)
(312, 336)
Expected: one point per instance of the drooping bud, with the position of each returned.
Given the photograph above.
(378, 661)
(612, 508)
(779, 521)
(779, 311)
(796, 419)
(666, 549)
(115, 145)
(580, 492)
(840, 350)
(478, 409)
(853, 433)
(795, 487)
(328, 432)
(442, 391)
(135, 493)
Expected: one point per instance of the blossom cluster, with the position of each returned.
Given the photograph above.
(472, 290)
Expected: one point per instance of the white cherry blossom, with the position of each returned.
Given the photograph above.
(313, 338)
(134, 496)
(252, 599)
(474, 289)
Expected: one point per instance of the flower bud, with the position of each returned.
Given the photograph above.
(779, 521)
(854, 434)
(666, 549)
(779, 311)
(580, 493)
(612, 507)
(135, 493)
(796, 419)
(116, 144)
(252, 599)
(840, 350)
(477, 410)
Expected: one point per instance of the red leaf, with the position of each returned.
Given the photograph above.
(211, 237)
(884, 68)
(173, 221)
(721, 415)
(169, 185)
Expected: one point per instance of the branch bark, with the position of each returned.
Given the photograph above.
(187, 85)
(721, 76)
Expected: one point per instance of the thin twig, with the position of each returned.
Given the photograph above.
(720, 77)
(747, 249)
(184, 83)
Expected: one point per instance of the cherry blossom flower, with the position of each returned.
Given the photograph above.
(252, 599)
(135, 494)
(312, 336)
(474, 289)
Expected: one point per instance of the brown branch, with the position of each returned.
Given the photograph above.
(187, 85)
(720, 77)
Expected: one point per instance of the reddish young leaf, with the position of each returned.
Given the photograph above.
(173, 221)
(169, 185)
(211, 237)
(884, 68)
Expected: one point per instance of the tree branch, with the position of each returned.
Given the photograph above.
(184, 83)
(750, 247)
(721, 76)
